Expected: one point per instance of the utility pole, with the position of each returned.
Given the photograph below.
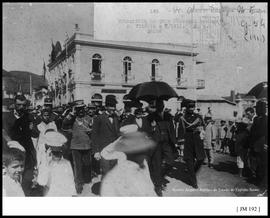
(30, 89)
(68, 68)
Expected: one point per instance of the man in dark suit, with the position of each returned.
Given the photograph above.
(105, 130)
(259, 144)
(163, 133)
(130, 108)
(19, 126)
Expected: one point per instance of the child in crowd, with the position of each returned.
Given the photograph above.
(208, 141)
(13, 168)
(222, 133)
(57, 175)
(45, 125)
(242, 137)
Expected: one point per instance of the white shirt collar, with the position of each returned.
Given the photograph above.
(16, 114)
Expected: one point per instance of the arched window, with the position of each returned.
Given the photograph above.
(96, 66)
(154, 72)
(180, 71)
(127, 67)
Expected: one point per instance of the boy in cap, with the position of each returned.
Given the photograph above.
(13, 166)
(57, 175)
(222, 132)
(209, 140)
(45, 124)
(130, 176)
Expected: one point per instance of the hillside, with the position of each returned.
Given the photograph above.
(14, 80)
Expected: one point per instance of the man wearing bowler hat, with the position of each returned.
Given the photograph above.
(105, 130)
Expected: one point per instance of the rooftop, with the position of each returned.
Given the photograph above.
(213, 98)
(88, 39)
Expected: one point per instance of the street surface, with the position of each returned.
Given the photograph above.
(221, 181)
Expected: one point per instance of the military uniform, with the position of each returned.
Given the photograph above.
(193, 144)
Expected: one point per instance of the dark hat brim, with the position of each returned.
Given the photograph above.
(79, 105)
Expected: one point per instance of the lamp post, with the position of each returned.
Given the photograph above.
(238, 69)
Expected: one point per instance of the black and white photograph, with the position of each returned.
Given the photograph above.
(130, 108)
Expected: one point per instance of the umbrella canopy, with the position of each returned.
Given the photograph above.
(148, 91)
(259, 91)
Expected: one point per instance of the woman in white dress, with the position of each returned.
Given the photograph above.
(130, 177)
(45, 125)
(56, 175)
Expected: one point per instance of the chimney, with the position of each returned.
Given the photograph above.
(233, 98)
(77, 27)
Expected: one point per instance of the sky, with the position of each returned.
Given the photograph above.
(29, 28)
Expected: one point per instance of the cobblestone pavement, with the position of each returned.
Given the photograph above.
(220, 181)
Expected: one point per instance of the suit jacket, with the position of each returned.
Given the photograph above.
(145, 124)
(8, 122)
(18, 129)
(258, 133)
(168, 119)
(193, 144)
(104, 132)
(129, 119)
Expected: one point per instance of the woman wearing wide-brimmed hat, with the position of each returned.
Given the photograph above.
(130, 176)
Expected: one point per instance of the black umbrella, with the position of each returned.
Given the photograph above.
(259, 91)
(148, 91)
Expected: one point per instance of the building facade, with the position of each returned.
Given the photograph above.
(89, 69)
(220, 107)
(243, 101)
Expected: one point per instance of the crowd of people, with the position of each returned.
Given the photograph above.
(56, 151)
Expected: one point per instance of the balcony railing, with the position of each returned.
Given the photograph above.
(127, 78)
(156, 78)
(97, 76)
(181, 81)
